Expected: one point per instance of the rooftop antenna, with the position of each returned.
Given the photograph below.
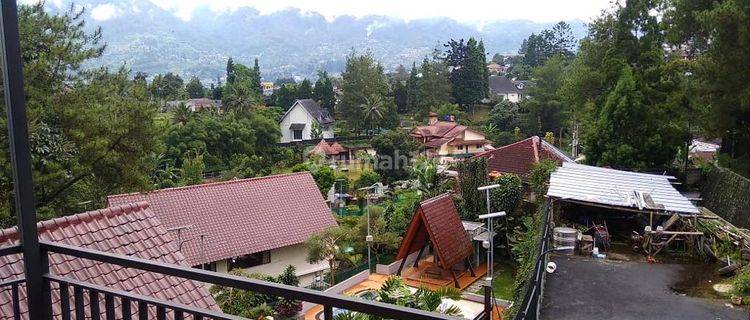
(179, 234)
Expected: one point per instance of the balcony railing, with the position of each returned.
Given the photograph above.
(32, 293)
(83, 300)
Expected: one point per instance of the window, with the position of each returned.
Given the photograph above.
(297, 134)
(207, 266)
(479, 146)
(250, 260)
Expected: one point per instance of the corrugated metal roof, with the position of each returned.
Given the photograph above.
(618, 188)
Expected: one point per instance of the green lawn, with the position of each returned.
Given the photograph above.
(481, 113)
(502, 285)
(354, 169)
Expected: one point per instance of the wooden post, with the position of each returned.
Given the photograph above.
(455, 279)
(419, 256)
(471, 268)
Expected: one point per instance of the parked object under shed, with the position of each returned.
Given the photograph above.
(616, 191)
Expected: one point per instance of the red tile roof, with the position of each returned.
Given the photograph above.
(436, 219)
(239, 217)
(325, 148)
(131, 229)
(519, 157)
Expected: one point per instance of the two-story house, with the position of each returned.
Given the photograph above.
(303, 119)
(449, 141)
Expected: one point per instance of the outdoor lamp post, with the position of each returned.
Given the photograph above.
(489, 216)
(369, 239)
(340, 195)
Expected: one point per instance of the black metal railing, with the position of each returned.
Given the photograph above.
(84, 300)
(529, 308)
(32, 293)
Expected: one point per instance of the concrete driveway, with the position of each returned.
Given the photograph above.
(584, 288)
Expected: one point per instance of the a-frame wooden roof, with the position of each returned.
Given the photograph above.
(436, 221)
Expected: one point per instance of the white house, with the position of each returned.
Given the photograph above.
(502, 88)
(302, 119)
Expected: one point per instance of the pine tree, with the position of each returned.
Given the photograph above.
(412, 89)
(629, 133)
(469, 69)
(194, 88)
(323, 91)
(230, 71)
(256, 78)
(304, 90)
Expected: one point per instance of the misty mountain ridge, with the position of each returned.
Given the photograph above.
(287, 43)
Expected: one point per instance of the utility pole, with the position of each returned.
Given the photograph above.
(574, 142)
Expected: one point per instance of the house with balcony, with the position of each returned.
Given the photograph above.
(258, 225)
(449, 141)
(305, 120)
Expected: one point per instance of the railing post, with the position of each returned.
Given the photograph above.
(328, 312)
(20, 153)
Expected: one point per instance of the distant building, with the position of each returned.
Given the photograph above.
(267, 87)
(519, 157)
(496, 69)
(258, 225)
(502, 88)
(302, 118)
(704, 149)
(196, 104)
(449, 141)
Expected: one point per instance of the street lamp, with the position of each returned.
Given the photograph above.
(340, 195)
(489, 216)
(369, 239)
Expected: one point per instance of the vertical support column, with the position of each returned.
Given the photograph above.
(488, 305)
(20, 153)
(327, 312)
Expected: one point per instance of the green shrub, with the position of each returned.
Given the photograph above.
(741, 282)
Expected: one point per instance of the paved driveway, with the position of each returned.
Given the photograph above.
(584, 288)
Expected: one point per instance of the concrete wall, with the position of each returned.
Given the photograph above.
(295, 255)
(392, 268)
(340, 287)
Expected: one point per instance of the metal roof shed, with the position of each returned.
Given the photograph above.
(619, 189)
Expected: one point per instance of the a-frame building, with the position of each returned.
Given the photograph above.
(436, 223)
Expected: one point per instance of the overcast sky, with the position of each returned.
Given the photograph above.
(470, 11)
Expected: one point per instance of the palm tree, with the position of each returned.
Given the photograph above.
(324, 246)
(373, 110)
(425, 177)
(182, 114)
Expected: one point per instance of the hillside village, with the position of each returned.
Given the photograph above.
(604, 177)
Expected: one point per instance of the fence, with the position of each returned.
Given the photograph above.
(529, 307)
(728, 194)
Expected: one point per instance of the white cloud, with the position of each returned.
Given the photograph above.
(104, 12)
(471, 11)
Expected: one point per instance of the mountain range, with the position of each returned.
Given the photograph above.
(287, 43)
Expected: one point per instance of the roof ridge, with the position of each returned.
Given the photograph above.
(535, 153)
(64, 221)
(436, 198)
(505, 146)
(204, 185)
